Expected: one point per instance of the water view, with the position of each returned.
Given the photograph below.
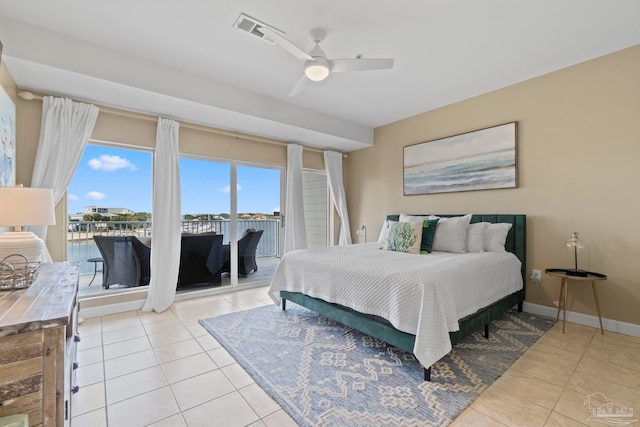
(81, 247)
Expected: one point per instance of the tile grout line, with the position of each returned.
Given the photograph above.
(564, 389)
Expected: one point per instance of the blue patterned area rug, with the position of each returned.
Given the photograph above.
(326, 374)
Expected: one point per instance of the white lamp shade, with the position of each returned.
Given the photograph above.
(575, 244)
(22, 206)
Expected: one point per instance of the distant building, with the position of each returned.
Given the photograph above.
(105, 212)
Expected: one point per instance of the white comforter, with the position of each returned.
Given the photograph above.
(424, 295)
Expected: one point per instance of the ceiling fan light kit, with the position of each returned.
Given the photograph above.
(316, 70)
(316, 65)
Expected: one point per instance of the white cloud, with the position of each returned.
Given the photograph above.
(276, 209)
(95, 195)
(109, 163)
(72, 197)
(228, 188)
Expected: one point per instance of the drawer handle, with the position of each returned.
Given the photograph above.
(76, 337)
(75, 365)
(75, 389)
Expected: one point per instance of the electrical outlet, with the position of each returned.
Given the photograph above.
(536, 275)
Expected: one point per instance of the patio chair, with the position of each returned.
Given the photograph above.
(247, 246)
(143, 251)
(121, 264)
(200, 259)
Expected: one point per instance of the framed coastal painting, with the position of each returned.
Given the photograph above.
(7, 140)
(479, 160)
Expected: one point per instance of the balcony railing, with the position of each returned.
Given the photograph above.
(81, 247)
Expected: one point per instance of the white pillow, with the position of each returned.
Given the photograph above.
(405, 237)
(384, 231)
(475, 236)
(412, 218)
(496, 236)
(451, 234)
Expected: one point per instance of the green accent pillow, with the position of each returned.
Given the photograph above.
(428, 233)
(404, 237)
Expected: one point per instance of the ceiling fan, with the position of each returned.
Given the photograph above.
(317, 66)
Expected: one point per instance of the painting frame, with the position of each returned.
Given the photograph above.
(483, 159)
(7, 140)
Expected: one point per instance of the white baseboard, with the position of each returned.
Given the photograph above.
(104, 310)
(584, 319)
(121, 307)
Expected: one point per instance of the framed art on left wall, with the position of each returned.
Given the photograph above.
(7, 140)
(479, 160)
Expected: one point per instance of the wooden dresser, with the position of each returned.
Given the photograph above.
(38, 336)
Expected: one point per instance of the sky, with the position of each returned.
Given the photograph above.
(121, 178)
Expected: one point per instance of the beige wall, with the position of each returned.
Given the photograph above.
(578, 169)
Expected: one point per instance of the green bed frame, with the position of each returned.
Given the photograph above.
(515, 243)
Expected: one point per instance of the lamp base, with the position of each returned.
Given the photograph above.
(576, 272)
(21, 243)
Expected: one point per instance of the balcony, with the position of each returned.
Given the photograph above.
(81, 246)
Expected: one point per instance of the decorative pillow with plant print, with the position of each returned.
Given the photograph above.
(405, 237)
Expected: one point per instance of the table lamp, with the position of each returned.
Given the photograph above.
(575, 245)
(21, 206)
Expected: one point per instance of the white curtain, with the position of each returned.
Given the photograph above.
(333, 166)
(65, 129)
(295, 232)
(165, 226)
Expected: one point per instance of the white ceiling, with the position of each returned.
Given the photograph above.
(184, 59)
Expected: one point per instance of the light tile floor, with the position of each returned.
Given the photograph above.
(150, 369)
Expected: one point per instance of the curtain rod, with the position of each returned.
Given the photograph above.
(30, 96)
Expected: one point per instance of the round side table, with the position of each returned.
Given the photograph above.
(95, 262)
(581, 276)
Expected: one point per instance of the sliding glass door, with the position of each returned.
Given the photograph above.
(258, 221)
(241, 202)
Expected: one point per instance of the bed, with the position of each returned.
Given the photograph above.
(436, 328)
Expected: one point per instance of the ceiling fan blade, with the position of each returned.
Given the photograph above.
(299, 87)
(286, 44)
(360, 64)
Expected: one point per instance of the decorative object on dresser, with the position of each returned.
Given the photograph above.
(17, 273)
(22, 206)
(38, 336)
(479, 160)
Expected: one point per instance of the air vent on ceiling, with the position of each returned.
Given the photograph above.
(252, 26)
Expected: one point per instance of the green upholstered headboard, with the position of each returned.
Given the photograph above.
(516, 239)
